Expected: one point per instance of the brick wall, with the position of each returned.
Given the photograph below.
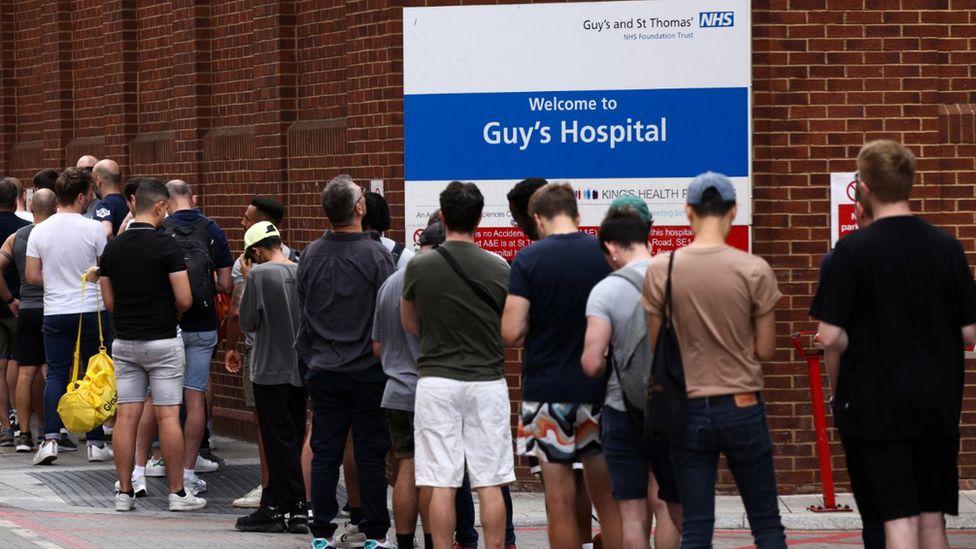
(277, 96)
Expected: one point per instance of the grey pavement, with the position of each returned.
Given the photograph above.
(68, 505)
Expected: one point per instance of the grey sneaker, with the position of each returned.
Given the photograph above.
(124, 502)
(7, 438)
(189, 502)
(25, 442)
(66, 444)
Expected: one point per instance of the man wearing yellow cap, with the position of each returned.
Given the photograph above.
(269, 308)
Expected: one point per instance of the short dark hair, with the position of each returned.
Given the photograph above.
(339, 200)
(129, 190)
(45, 179)
(72, 183)
(554, 199)
(712, 204)
(269, 243)
(9, 189)
(461, 206)
(149, 192)
(623, 227)
(377, 216)
(518, 204)
(270, 208)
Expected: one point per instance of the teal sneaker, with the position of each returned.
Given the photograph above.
(377, 544)
(322, 543)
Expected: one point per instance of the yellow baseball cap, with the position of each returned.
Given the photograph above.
(258, 232)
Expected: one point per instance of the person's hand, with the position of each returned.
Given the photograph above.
(232, 361)
(14, 307)
(245, 265)
(91, 275)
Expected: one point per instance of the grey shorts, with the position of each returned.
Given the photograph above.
(158, 363)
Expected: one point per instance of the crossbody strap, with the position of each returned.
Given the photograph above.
(666, 308)
(478, 290)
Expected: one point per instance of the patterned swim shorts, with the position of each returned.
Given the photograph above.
(556, 432)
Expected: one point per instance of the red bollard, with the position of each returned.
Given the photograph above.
(812, 356)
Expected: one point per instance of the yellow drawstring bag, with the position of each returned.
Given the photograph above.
(91, 400)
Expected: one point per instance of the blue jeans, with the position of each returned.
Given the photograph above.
(341, 402)
(199, 348)
(716, 425)
(60, 332)
(465, 533)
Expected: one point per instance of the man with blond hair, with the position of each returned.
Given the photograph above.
(897, 303)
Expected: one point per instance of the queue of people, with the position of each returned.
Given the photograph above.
(359, 347)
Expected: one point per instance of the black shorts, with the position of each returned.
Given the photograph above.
(30, 340)
(631, 456)
(894, 479)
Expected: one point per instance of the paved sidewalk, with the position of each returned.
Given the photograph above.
(68, 505)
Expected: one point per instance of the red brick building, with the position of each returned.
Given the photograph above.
(277, 96)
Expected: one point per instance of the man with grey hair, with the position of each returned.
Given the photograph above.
(207, 256)
(112, 208)
(338, 278)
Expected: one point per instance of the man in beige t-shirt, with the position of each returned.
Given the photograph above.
(723, 302)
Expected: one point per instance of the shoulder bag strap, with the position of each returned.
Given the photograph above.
(77, 356)
(478, 290)
(666, 308)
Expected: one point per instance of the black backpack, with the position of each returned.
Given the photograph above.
(635, 367)
(198, 252)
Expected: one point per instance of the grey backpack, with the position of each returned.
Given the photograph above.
(634, 367)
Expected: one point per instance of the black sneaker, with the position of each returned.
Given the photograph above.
(25, 442)
(265, 519)
(66, 444)
(298, 519)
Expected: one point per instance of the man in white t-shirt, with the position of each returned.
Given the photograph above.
(59, 251)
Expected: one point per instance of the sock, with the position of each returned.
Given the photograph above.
(355, 515)
(405, 540)
(138, 471)
(428, 541)
(130, 492)
(587, 546)
(182, 493)
(188, 473)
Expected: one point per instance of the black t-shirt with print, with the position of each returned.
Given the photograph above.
(138, 263)
(902, 290)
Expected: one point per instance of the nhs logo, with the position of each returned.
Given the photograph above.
(716, 19)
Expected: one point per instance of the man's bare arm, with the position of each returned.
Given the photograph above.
(515, 320)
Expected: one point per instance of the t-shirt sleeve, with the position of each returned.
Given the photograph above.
(235, 272)
(834, 300)
(597, 305)
(518, 278)
(32, 243)
(174, 257)
(381, 298)
(652, 296)
(251, 303)
(102, 212)
(410, 281)
(966, 289)
(765, 292)
(106, 265)
(99, 239)
(223, 258)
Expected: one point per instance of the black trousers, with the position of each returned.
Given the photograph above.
(281, 418)
(341, 402)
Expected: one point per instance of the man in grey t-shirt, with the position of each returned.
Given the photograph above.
(638, 466)
(270, 309)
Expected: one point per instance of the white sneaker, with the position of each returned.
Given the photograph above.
(47, 453)
(189, 502)
(155, 468)
(352, 537)
(250, 500)
(124, 502)
(100, 453)
(194, 484)
(138, 486)
(204, 465)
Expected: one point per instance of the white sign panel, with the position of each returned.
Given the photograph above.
(843, 218)
(614, 97)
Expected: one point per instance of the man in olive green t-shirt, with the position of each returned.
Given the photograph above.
(462, 406)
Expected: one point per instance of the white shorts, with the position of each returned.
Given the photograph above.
(463, 421)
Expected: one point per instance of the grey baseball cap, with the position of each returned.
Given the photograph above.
(710, 180)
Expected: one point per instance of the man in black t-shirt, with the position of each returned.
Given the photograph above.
(898, 303)
(145, 285)
(112, 209)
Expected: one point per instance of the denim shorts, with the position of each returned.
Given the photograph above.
(630, 456)
(199, 347)
(158, 363)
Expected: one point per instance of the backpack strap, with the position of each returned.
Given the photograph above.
(478, 290)
(397, 252)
